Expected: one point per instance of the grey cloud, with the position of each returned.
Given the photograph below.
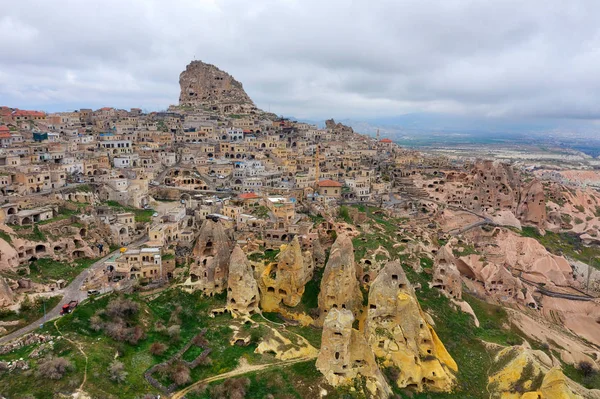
(310, 58)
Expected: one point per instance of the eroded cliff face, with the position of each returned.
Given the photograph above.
(339, 285)
(398, 333)
(205, 84)
(345, 355)
(446, 276)
(242, 289)
(6, 294)
(528, 255)
(283, 281)
(523, 373)
(211, 255)
(532, 207)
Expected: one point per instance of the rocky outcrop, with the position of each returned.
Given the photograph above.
(318, 253)
(9, 257)
(496, 279)
(446, 276)
(211, 259)
(528, 374)
(528, 255)
(283, 281)
(532, 208)
(242, 290)
(397, 331)
(205, 84)
(338, 128)
(6, 294)
(345, 355)
(339, 286)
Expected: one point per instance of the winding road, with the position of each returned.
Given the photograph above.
(70, 292)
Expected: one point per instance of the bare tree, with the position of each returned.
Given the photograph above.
(158, 348)
(117, 372)
(180, 373)
(54, 368)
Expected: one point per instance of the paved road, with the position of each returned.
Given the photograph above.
(70, 292)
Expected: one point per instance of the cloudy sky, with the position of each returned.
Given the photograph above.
(310, 58)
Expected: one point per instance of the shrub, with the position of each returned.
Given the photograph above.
(122, 307)
(586, 368)
(200, 341)
(158, 348)
(232, 388)
(54, 368)
(96, 323)
(174, 332)
(116, 372)
(180, 373)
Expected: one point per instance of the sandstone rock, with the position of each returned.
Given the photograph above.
(284, 280)
(345, 355)
(205, 84)
(528, 374)
(242, 290)
(528, 255)
(446, 276)
(211, 259)
(339, 286)
(283, 347)
(6, 294)
(318, 253)
(532, 208)
(9, 257)
(497, 281)
(506, 218)
(397, 331)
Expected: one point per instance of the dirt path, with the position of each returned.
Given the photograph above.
(239, 371)
(80, 350)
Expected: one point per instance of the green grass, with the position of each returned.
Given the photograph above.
(141, 215)
(267, 256)
(344, 214)
(5, 236)
(31, 310)
(565, 244)
(466, 250)
(261, 212)
(35, 235)
(590, 381)
(46, 269)
(298, 381)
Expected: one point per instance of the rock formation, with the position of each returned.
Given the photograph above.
(9, 257)
(446, 276)
(496, 279)
(528, 374)
(532, 208)
(528, 255)
(318, 253)
(6, 294)
(397, 331)
(205, 84)
(490, 187)
(242, 290)
(345, 355)
(211, 259)
(284, 280)
(339, 286)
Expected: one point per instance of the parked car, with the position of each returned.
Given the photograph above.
(93, 292)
